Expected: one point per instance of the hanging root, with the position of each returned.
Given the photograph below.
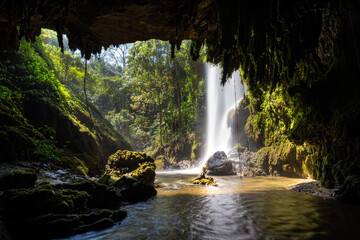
(86, 100)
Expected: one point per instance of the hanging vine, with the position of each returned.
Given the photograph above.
(86, 100)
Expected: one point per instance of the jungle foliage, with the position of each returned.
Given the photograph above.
(150, 98)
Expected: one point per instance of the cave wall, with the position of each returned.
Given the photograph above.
(300, 62)
(299, 59)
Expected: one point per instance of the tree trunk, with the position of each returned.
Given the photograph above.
(161, 119)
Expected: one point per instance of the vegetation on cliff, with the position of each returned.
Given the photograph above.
(301, 70)
(299, 59)
(154, 101)
(43, 121)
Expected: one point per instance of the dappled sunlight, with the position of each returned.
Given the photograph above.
(178, 183)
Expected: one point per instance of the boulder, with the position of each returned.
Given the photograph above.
(137, 165)
(145, 173)
(133, 190)
(218, 164)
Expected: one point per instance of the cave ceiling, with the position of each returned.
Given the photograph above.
(92, 24)
(268, 38)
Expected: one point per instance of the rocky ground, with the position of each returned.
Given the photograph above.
(313, 187)
(41, 201)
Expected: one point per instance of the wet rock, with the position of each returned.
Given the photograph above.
(245, 164)
(17, 179)
(312, 187)
(134, 191)
(218, 164)
(49, 211)
(63, 225)
(234, 155)
(202, 179)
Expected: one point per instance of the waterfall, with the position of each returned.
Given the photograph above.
(220, 100)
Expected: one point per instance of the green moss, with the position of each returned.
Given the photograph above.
(202, 179)
(160, 162)
(30, 80)
(144, 173)
(106, 180)
(136, 164)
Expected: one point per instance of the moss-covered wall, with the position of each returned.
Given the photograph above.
(301, 64)
(42, 121)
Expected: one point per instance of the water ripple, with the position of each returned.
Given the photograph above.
(218, 213)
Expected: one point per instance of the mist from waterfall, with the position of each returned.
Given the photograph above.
(220, 100)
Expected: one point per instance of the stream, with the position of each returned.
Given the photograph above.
(247, 208)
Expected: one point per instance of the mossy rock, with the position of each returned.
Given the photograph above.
(133, 190)
(136, 164)
(239, 148)
(25, 204)
(100, 195)
(106, 179)
(17, 179)
(285, 159)
(144, 173)
(202, 179)
(61, 210)
(52, 225)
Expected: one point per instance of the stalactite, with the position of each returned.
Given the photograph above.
(195, 48)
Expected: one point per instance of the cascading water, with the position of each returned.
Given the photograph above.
(220, 100)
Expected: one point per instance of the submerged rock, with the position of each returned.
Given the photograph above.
(202, 179)
(218, 164)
